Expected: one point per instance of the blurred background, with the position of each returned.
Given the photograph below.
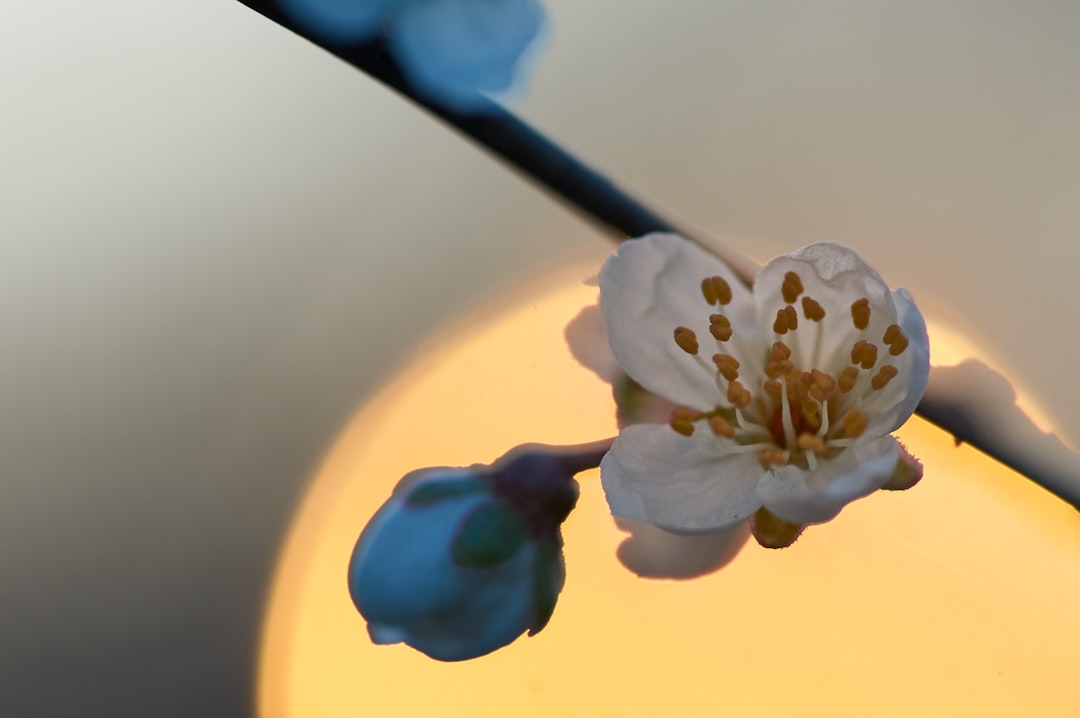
(218, 241)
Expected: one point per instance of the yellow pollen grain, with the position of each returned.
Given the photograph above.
(738, 395)
(812, 310)
(854, 423)
(727, 365)
(891, 333)
(860, 313)
(847, 379)
(720, 427)
(883, 377)
(773, 457)
(864, 354)
(822, 386)
(716, 290)
(777, 369)
(791, 288)
(780, 352)
(686, 339)
(792, 318)
(720, 327)
(682, 420)
(811, 442)
(898, 345)
(780, 324)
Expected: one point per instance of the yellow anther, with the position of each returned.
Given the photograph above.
(854, 423)
(847, 379)
(864, 354)
(738, 395)
(896, 340)
(720, 327)
(883, 377)
(792, 318)
(780, 324)
(686, 339)
(772, 389)
(716, 290)
(823, 385)
(811, 414)
(791, 288)
(811, 442)
(780, 352)
(812, 310)
(773, 457)
(860, 313)
(727, 365)
(777, 369)
(720, 427)
(682, 420)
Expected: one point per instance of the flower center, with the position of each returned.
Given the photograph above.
(792, 414)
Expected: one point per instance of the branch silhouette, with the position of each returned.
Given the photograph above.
(955, 401)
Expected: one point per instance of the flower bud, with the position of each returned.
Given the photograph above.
(461, 561)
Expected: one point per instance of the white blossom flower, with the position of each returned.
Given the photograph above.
(448, 49)
(461, 561)
(786, 394)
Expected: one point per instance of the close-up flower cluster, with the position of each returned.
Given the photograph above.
(786, 394)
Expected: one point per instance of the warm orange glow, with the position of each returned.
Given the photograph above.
(958, 597)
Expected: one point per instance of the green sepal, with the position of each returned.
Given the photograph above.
(546, 583)
(490, 534)
(433, 492)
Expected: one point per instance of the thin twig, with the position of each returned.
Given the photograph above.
(618, 213)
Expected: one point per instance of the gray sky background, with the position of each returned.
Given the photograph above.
(216, 240)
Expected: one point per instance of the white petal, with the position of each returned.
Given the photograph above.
(650, 287)
(337, 20)
(807, 497)
(835, 276)
(452, 48)
(654, 474)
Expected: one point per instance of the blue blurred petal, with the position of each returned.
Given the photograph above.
(450, 49)
(339, 20)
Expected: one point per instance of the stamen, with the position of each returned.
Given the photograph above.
(686, 339)
(682, 420)
(772, 389)
(883, 377)
(854, 423)
(773, 457)
(823, 385)
(847, 379)
(716, 290)
(720, 327)
(738, 395)
(791, 288)
(720, 427)
(777, 369)
(727, 365)
(780, 325)
(860, 313)
(811, 413)
(780, 352)
(896, 340)
(792, 318)
(811, 442)
(785, 416)
(812, 310)
(864, 354)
